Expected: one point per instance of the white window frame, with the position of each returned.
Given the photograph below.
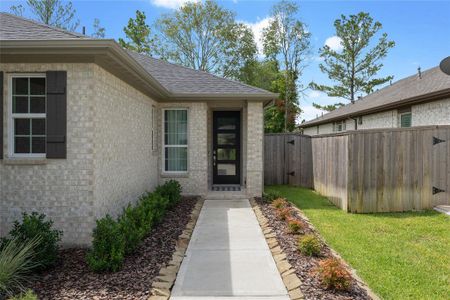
(11, 116)
(164, 146)
(342, 123)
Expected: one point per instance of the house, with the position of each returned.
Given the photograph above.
(88, 127)
(418, 100)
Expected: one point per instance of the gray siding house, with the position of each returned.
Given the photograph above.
(87, 127)
(419, 100)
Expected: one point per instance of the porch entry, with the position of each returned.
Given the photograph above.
(226, 147)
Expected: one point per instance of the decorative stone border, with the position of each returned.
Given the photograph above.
(358, 279)
(290, 279)
(165, 280)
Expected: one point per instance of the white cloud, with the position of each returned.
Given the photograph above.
(335, 43)
(171, 3)
(309, 112)
(314, 94)
(257, 29)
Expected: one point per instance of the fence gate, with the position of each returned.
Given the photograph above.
(440, 167)
(288, 160)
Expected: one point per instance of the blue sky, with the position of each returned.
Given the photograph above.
(421, 29)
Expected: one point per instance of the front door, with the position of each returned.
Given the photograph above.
(226, 147)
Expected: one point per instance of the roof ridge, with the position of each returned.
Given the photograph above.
(79, 35)
(201, 71)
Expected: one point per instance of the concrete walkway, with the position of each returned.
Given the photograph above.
(227, 257)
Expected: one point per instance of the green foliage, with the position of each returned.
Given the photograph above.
(295, 225)
(205, 36)
(171, 190)
(329, 107)
(108, 246)
(33, 226)
(396, 254)
(138, 35)
(271, 195)
(16, 264)
(51, 12)
(28, 295)
(99, 31)
(112, 239)
(354, 67)
(287, 41)
(309, 245)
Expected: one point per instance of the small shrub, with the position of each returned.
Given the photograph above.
(270, 196)
(295, 225)
(108, 246)
(132, 227)
(284, 213)
(333, 274)
(16, 264)
(279, 203)
(170, 190)
(34, 225)
(309, 245)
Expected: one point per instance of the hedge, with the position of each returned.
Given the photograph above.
(113, 239)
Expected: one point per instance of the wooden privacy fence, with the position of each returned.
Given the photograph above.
(368, 171)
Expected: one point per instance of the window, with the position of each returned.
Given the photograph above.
(405, 119)
(175, 140)
(360, 120)
(339, 126)
(28, 115)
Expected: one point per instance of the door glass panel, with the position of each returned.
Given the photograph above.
(226, 138)
(226, 154)
(226, 123)
(226, 169)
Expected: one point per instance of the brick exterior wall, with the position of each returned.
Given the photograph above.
(110, 161)
(425, 114)
(63, 189)
(124, 164)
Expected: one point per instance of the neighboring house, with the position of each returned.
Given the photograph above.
(87, 127)
(419, 100)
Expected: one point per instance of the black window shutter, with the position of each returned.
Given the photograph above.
(56, 114)
(1, 115)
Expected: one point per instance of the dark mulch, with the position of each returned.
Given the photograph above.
(306, 265)
(72, 279)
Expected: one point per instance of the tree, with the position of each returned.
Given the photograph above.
(329, 107)
(287, 40)
(99, 32)
(138, 34)
(51, 12)
(355, 67)
(205, 36)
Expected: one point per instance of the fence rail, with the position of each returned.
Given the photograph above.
(366, 171)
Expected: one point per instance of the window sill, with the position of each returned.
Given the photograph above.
(175, 175)
(25, 161)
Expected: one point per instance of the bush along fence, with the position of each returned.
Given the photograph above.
(115, 238)
(386, 170)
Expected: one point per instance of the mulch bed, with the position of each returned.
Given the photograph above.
(305, 265)
(72, 279)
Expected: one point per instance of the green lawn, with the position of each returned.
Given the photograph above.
(399, 255)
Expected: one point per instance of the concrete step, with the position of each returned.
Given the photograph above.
(222, 195)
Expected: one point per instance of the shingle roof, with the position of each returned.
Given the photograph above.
(182, 80)
(178, 80)
(412, 87)
(17, 28)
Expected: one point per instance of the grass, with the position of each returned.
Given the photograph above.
(399, 255)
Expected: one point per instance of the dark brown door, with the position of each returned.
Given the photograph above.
(226, 147)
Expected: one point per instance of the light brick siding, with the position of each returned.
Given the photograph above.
(425, 114)
(61, 188)
(431, 113)
(255, 133)
(125, 165)
(110, 161)
(386, 119)
(195, 181)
